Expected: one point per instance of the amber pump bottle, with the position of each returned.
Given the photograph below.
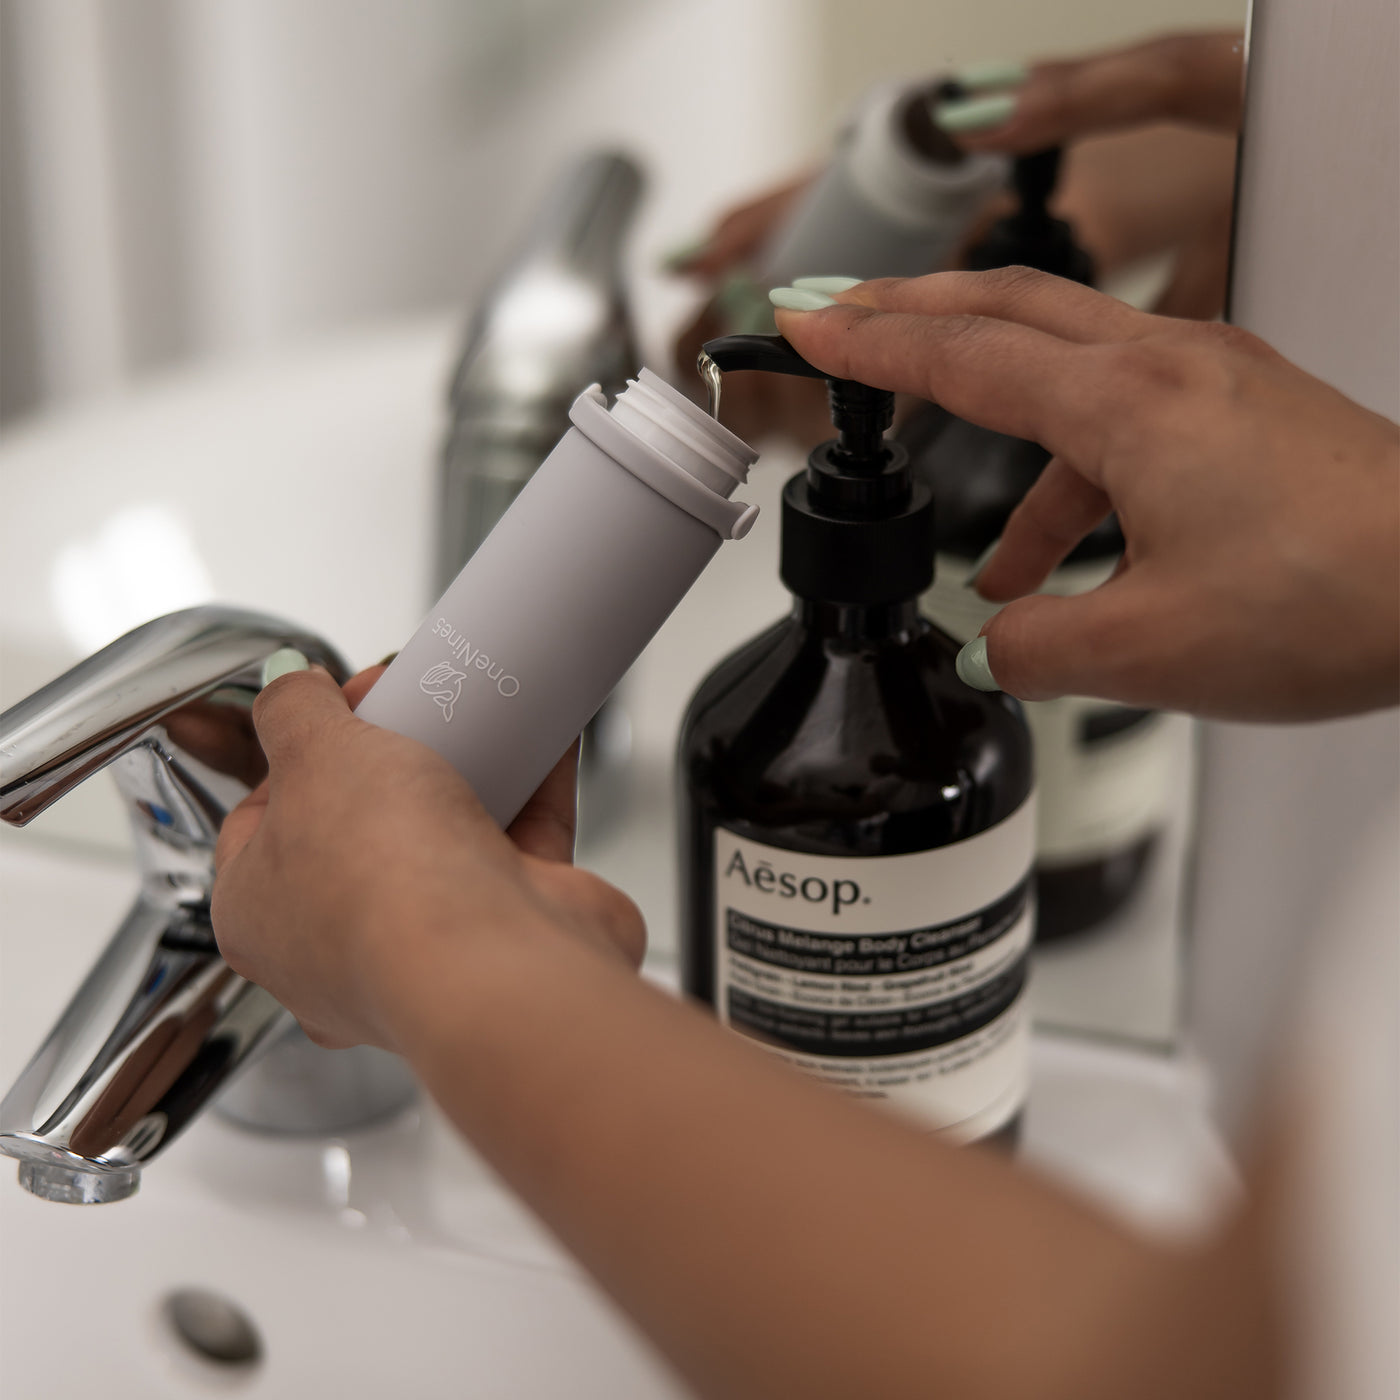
(1103, 771)
(857, 825)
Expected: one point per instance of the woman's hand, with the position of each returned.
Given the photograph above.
(683, 1165)
(740, 232)
(1191, 79)
(342, 876)
(1151, 162)
(1261, 508)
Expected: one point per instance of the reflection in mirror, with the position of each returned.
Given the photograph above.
(1111, 164)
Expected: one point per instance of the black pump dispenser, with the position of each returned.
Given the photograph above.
(857, 526)
(856, 829)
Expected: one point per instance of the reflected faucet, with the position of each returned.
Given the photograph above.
(161, 1023)
(553, 322)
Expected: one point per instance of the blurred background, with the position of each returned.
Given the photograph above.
(200, 179)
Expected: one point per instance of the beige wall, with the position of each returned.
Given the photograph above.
(864, 40)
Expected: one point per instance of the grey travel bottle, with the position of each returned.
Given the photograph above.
(562, 596)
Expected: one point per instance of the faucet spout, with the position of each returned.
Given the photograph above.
(161, 1023)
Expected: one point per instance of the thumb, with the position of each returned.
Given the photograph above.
(294, 713)
(1106, 643)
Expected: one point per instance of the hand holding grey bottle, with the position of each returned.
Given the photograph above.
(563, 595)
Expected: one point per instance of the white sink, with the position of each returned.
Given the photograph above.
(390, 1261)
(387, 1262)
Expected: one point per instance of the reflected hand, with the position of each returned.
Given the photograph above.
(1195, 79)
(1151, 130)
(1261, 508)
(344, 874)
(740, 232)
(754, 405)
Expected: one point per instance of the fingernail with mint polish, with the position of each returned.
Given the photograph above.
(282, 662)
(972, 666)
(829, 285)
(994, 73)
(975, 113)
(799, 299)
(980, 563)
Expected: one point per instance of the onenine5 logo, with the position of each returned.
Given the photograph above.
(442, 682)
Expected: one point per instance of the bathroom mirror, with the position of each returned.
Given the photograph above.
(236, 274)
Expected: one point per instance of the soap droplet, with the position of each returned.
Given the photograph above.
(710, 375)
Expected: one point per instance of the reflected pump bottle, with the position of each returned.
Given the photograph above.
(1103, 771)
(857, 825)
(895, 200)
(561, 597)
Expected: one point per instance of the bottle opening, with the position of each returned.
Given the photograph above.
(684, 433)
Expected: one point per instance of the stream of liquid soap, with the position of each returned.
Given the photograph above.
(710, 375)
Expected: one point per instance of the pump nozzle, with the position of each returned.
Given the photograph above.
(860, 414)
(767, 352)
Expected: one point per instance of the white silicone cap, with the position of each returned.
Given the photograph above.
(675, 447)
(683, 433)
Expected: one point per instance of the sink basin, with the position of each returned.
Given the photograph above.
(391, 1261)
(388, 1261)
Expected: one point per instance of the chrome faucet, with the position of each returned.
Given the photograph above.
(161, 1023)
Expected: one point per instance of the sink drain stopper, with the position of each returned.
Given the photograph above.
(212, 1327)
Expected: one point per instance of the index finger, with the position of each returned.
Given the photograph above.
(294, 712)
(1021, 294)
(545, 826)
(1000, 375)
